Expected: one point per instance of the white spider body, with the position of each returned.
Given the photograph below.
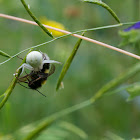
(35, 61)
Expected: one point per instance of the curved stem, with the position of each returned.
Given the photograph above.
(35, 19)
(9, 90)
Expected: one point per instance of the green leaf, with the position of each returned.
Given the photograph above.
(100, 3)
(133, 91)
(112, 136)
(4, 54)
(71, 127)
(130, 37)
(136, 139)
(61, 130)
(68, 63)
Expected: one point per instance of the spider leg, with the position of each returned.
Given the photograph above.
(36, 80)
(50, 61)
(24, 86)
(27, 66)
(35, 89)
(20, 58)
(22, 79)
(41, 93)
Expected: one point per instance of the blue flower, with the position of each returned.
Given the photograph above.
(135, 27)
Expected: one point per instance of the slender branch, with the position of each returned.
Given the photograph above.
(110, 85)
(78, 36)
(35, 19)
(9, 90)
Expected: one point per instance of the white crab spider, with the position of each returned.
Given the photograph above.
(35, 61)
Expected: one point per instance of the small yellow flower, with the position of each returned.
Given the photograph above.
(53, 24)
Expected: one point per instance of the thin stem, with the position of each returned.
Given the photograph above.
(112, 84)
(9, 90)
(35, 19)
(60, 30)
(79, 36)
(27, 50)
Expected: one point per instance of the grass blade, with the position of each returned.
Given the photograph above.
(68, 63)
(74, 129)
(4, 54)
(100, 3)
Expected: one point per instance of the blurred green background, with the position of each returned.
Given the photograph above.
(92, 67)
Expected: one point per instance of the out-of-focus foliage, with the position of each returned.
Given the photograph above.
(130, 37)
(92, 67)
(112, 136)
(134, 91)
(59, 131)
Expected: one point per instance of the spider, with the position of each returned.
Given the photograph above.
(35, 61)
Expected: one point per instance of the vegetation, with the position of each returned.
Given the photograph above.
(94, 94)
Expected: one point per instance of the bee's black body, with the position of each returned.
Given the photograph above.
(39, 78)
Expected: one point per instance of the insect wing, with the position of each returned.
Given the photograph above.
(52, 70)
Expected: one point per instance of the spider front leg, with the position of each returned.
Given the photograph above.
(27, 66)
(50, 61)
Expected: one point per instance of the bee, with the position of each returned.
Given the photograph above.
(40, 70)
(35, 80)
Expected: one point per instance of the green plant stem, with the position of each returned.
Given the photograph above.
(1, 95)
(117, 81)
(9, 90)
(68, 62)
(112, 84)
(35, 19)
(49, 120)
